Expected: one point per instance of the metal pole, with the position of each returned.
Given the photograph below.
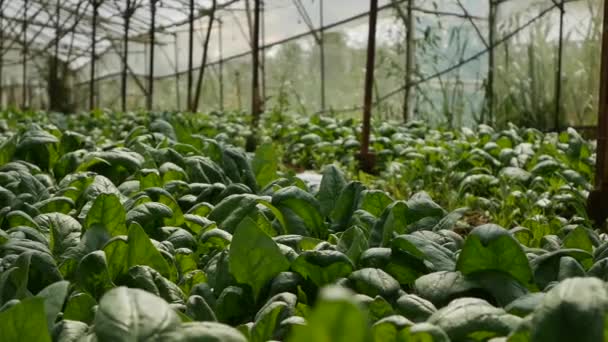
(255, 82)
(598, 199)
(322, 53)
(25, 53)
(125, 56)
(368, 160)
(96, 5)
(409, 60)
(558, 74)
(221, 63)
(150, 97)
(190, 55)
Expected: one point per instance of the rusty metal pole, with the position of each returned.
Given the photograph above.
(150, 98)
(367, 159)
(598, 199)
(255, 79)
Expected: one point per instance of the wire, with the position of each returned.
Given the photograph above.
(451, 68)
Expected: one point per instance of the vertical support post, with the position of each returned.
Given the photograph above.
(239, 92)
(558, 71)
(367, 160)
(597, 206)
(178, 98)
(201, 75)
(221, 62)
(57, 39)
(125, 54)
(255, 81)
(150, 97)
(190, 55)
(409, 60)
(263, 52)
(491, 64)
(24, 102)
(1, 53)
(53, 76)
(249, 23)
(96, 4)
(322, 52)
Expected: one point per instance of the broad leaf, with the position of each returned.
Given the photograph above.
(322, 267)
(574, 310)
(336, 318)
(467, 318)
(264, 165)
(492, 248)
(107, 212)
(301, 212)
(332, 183)
(25, 321)
(133, 315)
(254, 257)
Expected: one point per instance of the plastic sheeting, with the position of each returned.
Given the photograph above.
(451, 38)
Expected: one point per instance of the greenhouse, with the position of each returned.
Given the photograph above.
(303, 170)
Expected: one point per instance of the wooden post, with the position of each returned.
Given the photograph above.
(367, 159)
(558, 71)
(125, 55)
(491, 64)
(190, 55)
(239, 92)
(178, 99)
(409, 60)
(150, 97)
(55, 94)
(96, 4)
(322, 53)
(263, 53)
(24, 103)
(1, 53)
(598, 199)
(221, 62)
(255, 79)
(201, 74)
